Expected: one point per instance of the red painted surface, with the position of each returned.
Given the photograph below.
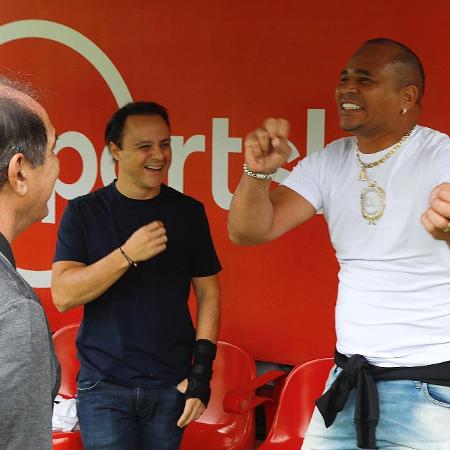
(242, 61)
(303, 386)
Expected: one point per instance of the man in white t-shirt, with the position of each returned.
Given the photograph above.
(385, 194)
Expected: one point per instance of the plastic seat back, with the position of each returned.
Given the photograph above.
(66, 351)
(303, 386)
(67, 441)
(217, 429)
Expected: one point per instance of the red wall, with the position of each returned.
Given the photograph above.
(207, 60)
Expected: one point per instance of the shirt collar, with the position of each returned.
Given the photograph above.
(5, 248)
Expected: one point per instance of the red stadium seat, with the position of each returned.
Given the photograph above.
(217, 429)
(304, 384)
(244, 398)
(67, 441)
(64, 341)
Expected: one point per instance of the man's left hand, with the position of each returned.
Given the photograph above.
(436, 219)
(193, 408)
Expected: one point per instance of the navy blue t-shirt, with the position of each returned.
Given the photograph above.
(139, 333)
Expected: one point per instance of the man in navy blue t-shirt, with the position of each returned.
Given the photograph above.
(129, 253)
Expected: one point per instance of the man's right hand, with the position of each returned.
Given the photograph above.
(266, 148)
(146, 242)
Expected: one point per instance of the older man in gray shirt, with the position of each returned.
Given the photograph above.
(29, 371)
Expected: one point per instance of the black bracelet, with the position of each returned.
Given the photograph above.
(201, 373)
(130, 262)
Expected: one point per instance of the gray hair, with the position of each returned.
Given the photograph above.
(21, 129)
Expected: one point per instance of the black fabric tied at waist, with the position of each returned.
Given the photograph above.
(358, 373)
(355, 374)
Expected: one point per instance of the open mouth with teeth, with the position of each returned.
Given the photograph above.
(350, 107)
(154, 167)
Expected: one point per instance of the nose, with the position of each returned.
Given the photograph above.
(56, 163)
(348, 86)
(58, 166)
(157, 152)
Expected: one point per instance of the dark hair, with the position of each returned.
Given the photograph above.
(409, 66)
(21, 129)
(114, 129)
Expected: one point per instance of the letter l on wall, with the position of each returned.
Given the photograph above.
(222, 144)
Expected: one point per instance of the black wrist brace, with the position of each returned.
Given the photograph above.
(201, 373)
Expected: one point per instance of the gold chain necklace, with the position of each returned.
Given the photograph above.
(373, 197)
(364, 166)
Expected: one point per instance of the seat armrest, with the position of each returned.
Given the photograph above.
(242, 399)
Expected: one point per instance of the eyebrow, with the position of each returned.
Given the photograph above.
(358, 72)
(151, 142)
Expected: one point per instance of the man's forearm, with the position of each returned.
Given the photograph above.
(77, 285)
(207, 292)
(208, 320)
(251, 212)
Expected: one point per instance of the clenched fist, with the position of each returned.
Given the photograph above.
(146, 242)
(436, 219)
(266, 148)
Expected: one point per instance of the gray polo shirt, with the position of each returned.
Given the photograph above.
(29, 370)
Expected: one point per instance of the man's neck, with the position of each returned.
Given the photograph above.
(10, 224)
(381, 141)
(133, 192)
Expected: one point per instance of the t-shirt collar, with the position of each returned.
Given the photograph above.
(5, 248)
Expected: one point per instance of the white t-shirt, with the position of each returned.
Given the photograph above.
(393, 304)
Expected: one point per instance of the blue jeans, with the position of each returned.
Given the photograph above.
(413, 416)
(114, 417)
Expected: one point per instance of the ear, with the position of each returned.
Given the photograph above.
(410, 96)
(18, 170)
(115, 151)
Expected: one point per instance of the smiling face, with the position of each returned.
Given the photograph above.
(369, 97)
(145, 156)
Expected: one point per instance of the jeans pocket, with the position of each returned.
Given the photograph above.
(334, 372)
(178, 391)
(439, 395)
(87, 385)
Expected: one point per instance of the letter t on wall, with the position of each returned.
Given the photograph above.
(180, 152)
(222, 144)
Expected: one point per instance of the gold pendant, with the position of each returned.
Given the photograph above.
(363, 174)
(373, 202)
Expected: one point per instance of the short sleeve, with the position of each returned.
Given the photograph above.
(203, 257)
(442, 166)
(71, 242)
(305, 180)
